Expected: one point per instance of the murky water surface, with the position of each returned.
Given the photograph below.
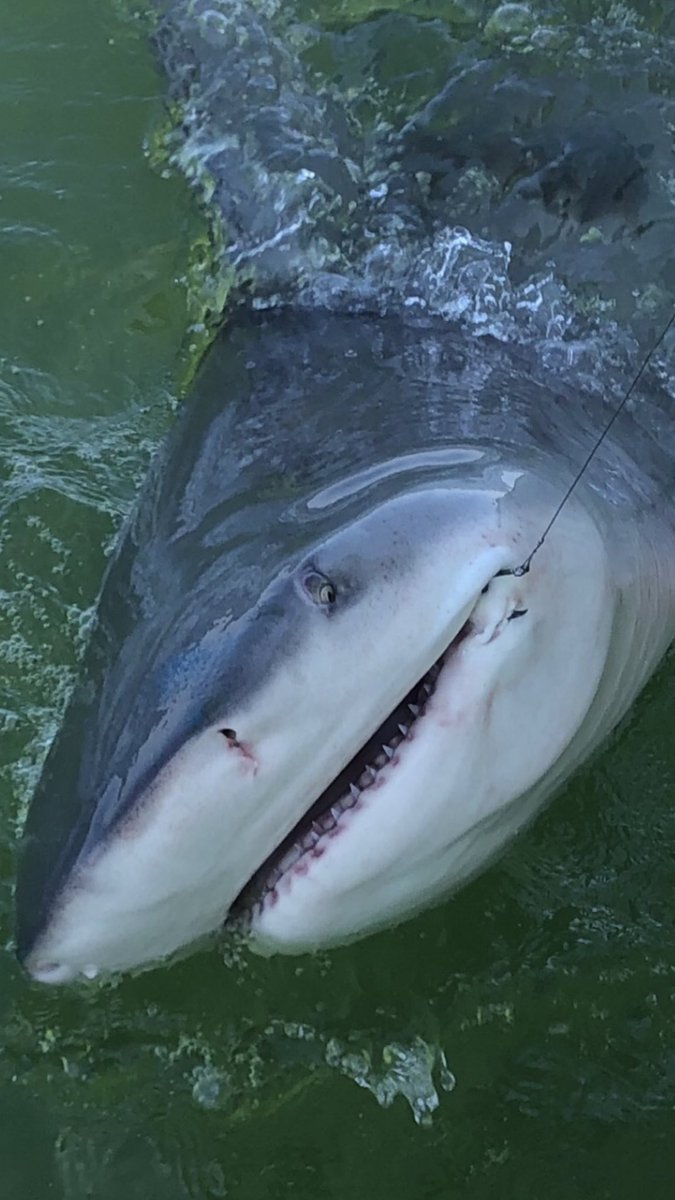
(520, 1040)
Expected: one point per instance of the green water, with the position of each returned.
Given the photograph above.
(517, 1042)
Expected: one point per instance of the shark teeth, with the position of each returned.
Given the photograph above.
(326, 824)
(330, 812)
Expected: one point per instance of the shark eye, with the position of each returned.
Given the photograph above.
(517, 612)
(321, 590)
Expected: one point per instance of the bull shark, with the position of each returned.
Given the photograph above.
(319, 695)
(315, 700)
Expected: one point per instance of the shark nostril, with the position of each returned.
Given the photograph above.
(244, 749)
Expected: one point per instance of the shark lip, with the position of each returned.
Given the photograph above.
(309, 836)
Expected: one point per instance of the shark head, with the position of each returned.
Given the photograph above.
(341, 754)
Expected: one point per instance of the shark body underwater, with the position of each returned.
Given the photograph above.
(317, 698)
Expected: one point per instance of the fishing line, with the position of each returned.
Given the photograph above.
(525, 565)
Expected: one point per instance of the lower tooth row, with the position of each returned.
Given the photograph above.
(330, 819)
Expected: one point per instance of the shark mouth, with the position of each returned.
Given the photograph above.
(310, 837)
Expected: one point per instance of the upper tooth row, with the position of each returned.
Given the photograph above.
(329, 820)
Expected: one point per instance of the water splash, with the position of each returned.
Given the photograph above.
(405, 1069)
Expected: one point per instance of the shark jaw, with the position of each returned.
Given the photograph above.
(368, 771)
(356, 861)
(405, 694)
